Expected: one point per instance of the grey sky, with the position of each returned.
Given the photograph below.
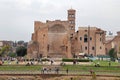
(17, 16)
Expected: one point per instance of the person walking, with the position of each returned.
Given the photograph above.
(109, 63)
(67, 70)
(91, 71)
(51, 62)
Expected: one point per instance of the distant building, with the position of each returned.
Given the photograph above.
(114, 42)
(13, 45)
(6, 43)
(110, 36)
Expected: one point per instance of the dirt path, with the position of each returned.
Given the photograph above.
(55, 77)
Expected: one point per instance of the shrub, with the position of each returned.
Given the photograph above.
(45, 59)
(79, 60)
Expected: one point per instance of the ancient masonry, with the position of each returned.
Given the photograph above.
(59, 39)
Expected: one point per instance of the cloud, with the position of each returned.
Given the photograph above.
(17, 16)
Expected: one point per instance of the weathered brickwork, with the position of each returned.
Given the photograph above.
(52, 39)
(89, 40)
(114, 43)
(59, 39)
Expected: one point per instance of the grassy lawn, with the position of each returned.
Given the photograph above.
(104, 66)
(19, 68)
(70, 67)
(105, 63)
(73, 69)
(87, 68)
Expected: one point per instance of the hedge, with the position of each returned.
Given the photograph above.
(78, 60)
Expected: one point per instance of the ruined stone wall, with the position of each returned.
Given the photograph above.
(52, 38)
(92, 44)
(114, 43)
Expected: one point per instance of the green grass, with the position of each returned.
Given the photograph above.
(106, 63)
(104, 66)
(70, 67)
(19, 68)
(87, 68)
(73, 69)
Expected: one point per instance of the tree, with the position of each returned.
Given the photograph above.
(21, 51)
(5, 50)
(113, 54)
(11, 54)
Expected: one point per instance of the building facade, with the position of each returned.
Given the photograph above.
(89, 40)
(113, 42)
(12, 45)
(59, 39)
(53, 37)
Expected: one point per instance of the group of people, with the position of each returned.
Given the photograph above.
(98, 64)
(56, 70)
(29, 63)
(50, 70)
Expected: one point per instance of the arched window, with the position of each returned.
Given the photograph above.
(85, 38)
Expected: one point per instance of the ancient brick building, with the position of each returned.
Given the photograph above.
(59, 39)
(114, 42)
(53, 37)
(89, 40)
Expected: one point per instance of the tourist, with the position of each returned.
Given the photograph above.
(91, 71)
(98, 64)
(42, 70)
(93, 76)
(56, 70)
(74, 61)
(51, 62)
(109, 63)
(41, 61)
(17, 62)
(67, 70)
(31, 63)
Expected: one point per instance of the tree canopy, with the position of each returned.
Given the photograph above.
(4, 50)
(21, 51)
(113, 54)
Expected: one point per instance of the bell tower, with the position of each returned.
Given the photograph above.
(71, 19)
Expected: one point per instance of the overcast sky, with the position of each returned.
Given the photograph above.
(17, 16)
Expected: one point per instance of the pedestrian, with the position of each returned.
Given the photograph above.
(109, 63)
(41, 61)
(50, 69)
(42, 70)
(95, 64)
(74, 61)
(91, 71)
(57, 70)
(67, 70)
(31, 63)
(93, 76)
(98, 64)
(51, 62)
(17, 62)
